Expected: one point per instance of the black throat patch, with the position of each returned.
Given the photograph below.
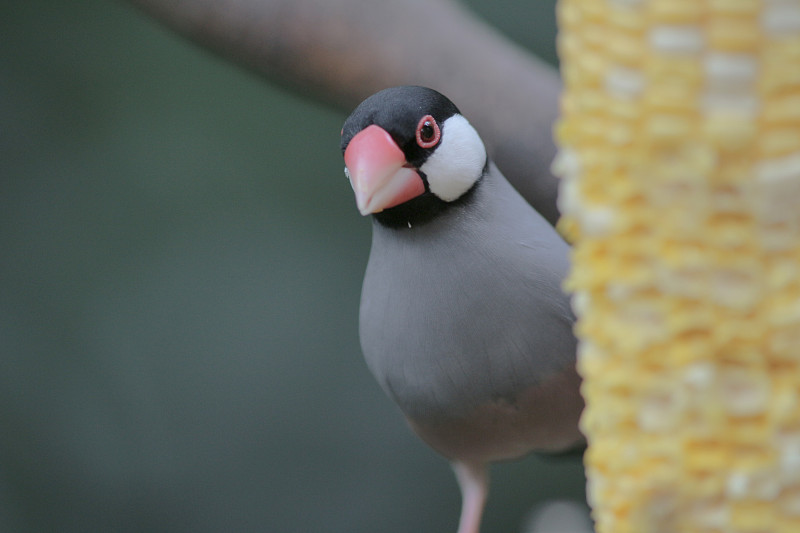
(425, 207)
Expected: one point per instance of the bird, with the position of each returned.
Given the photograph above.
(463, 320)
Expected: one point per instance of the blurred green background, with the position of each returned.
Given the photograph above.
(180, 267)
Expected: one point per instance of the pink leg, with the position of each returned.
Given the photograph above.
(473, 479)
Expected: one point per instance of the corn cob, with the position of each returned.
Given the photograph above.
(680, 164)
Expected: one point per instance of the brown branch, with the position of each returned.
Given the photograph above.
(340, 51)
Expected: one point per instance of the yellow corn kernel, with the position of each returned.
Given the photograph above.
(680, 153)
(733, 34)
(778, 141)
(749, 8)
(675, 12)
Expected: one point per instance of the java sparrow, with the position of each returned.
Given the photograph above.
(463, 320)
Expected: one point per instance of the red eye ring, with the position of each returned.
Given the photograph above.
(428, 133)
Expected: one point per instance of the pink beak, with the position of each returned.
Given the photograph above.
(378, 172)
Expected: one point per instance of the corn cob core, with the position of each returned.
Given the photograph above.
(680, 166)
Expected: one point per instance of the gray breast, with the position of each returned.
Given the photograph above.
(468, 309)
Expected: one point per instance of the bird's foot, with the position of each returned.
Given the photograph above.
(473, 479)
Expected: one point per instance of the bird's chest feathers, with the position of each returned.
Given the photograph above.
(429, 323)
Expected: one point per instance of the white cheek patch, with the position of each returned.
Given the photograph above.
(457, 163)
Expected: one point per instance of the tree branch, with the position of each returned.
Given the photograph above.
(341, 51)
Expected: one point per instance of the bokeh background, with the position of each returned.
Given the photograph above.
(180, 268)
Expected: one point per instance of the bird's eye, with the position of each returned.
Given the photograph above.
(428, 133)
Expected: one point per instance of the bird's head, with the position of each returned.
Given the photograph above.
(409, 154)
